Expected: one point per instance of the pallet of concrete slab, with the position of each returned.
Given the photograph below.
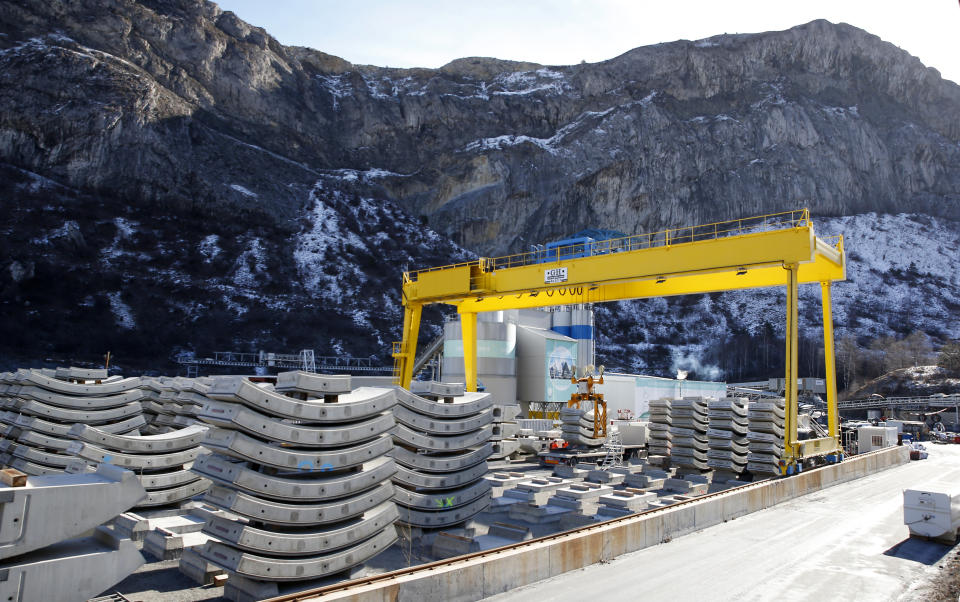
(465, 404)
(351, 406)
(53, 508)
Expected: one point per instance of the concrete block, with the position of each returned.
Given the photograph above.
(604, 476)
(77, 389)
(198, 569)
(163, 497)
(625, 499)
(505, 448)
(322, 486)
(510, 531)
(542, 515)
(684, 486)
(140, 444)
(74, 402)
(565, 471)
(506, 412)
(449, 545)
(167, 545)
(644, 481)
(584, 491)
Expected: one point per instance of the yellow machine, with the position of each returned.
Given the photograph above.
(599, 404)
(765, 251)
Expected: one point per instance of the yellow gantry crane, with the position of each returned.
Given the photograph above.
(766, 251)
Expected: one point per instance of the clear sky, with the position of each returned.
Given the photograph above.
(431, 33)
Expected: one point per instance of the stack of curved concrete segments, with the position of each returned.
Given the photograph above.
(172, 403)
(505, 431)
(689, 430)
(766, 436)
(42, 406)
(442, 444)
(304, 467)
(661, 438)
(576, 426)
(728, 436)
(161, 462)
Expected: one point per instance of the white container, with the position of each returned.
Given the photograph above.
(870, 438)
(932, 512)
(632, 432)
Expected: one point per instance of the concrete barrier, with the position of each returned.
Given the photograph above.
(476, 576)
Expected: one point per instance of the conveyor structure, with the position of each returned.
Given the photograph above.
(766, 251)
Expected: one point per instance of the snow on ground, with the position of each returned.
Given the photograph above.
(122, 313)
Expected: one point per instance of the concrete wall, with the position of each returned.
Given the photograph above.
(484, 574)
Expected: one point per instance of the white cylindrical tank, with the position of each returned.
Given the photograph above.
(496, 355)
(933, 511)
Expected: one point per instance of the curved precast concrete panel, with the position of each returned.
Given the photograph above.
(282, 569)
(34, 439)
(75, 402)
(443, 518)
(300, 486)
(361, 404)
(91, 452)
(278, 513)
(36, 408)
(437, 389)
(303, 542)
(49, 509)
(446, 480)
(309, 382)
(45, 458)
(67, 388)
(442, 426)
(168, 480)
(439, 442)
(465, 405)
(174, 441)
(233, 415)
(162, 497)
(81, 373)
(31, 468)
(441, 463)
(239, 445)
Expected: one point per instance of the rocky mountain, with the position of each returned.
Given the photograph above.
(174, 178)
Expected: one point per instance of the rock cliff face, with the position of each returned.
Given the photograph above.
(166, 146)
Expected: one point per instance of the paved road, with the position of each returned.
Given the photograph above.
(847, 542)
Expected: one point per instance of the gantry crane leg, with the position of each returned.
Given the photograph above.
(790, 448)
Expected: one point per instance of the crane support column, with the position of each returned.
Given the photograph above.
(408, 347)
(468, 327)
(790, 450)
(833, 414)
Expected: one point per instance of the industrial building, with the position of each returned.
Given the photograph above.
(527, 356)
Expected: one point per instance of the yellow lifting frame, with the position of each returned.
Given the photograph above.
(766, 251)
